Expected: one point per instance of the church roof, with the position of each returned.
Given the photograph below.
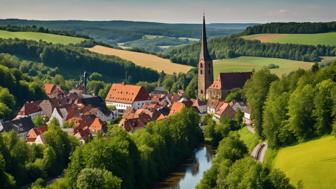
(204, 54)
(228, 81)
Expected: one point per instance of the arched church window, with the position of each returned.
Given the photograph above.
(201, 65)
(201, 72)
(201, 91)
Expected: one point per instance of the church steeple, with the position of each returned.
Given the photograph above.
(205, 66)
(204, 44)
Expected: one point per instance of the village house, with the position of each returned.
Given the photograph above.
(200, 106)
(53, 90)
(35, 135)
(31, 109)
(245, 109)
(124, 96)
(21, 126)
(225, 83)
(224, 111)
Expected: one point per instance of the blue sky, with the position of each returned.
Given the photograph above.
(172, 11)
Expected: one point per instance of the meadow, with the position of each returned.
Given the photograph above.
(142, 59)
(311, 164)
(37, 36)
(305, 39)
(248, 63)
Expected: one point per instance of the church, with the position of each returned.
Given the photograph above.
(215, 90)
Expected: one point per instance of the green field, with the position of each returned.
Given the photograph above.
(305, 39)
(312, 164)
(247, 63)
(37, 36)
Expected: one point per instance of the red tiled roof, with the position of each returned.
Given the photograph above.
(176, 107)
(128, 94)
(30, 108)
(97, 126)
(225, 110)
(228, 81)
(34, 132)
(48, 88)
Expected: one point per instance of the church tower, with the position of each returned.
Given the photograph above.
(205, 67)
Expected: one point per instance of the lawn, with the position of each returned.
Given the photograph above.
(249, 139)
(37, 36)
(306, 39)
(142, 59)
(312, 164)
(247, 63)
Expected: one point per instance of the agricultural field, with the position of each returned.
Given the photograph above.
(37, 36)
(305, 39)
(142, 59)
(309, 165)
(247, 63)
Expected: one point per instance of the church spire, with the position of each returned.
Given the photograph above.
(204, 44)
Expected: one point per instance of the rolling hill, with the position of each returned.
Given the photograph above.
(304, 39)
(142, 59)
(311, 164)
(37, 36)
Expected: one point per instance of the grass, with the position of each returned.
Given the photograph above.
(311, 164)
(247, 63)
(37, 36)
(305, 39)
(249, 139)
(142, 59)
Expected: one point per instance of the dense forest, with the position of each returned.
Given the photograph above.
(22, 163)
(230, 47)
(113, 32)
(72, 61)
(291, 27)
(19, 82)
(295, 108)
(120, 160)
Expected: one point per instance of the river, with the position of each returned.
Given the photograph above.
(189, 174)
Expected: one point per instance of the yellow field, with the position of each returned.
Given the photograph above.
(142, 59)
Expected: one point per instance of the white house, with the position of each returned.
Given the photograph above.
(60, 114)
(124, 96)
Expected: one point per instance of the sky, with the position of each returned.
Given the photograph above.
(172, 11)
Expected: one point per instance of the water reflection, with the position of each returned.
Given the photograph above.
(188, 175)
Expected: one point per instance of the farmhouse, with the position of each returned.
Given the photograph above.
(124, 96)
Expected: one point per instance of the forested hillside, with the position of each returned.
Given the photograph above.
(229, 47)
(291, 27)
(17, 84)
(73, 61)
(113, 32)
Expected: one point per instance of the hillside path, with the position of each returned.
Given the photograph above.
(259, 151)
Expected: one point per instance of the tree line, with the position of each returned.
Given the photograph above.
(133, 161)
(233, 167)
(72, 61)
(291, 27)
(22, 163)
(295, 108)
(17, 87)
(231, 47)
